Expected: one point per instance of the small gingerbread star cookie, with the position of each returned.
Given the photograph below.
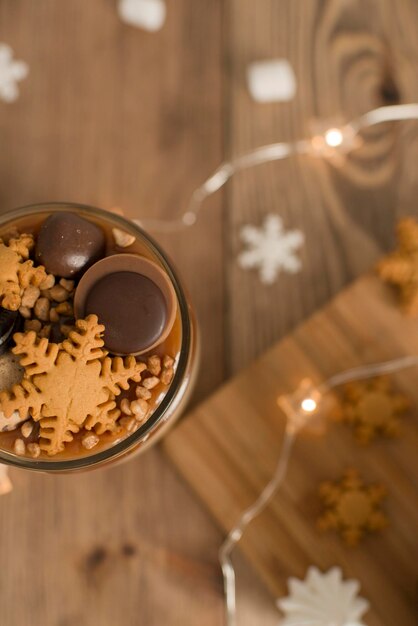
(372, 409)
(401, 266)
(17, 271)
(351, 507)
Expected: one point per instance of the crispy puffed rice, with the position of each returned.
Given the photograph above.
(154, 365)
(30, 296)
(143, 393)
(25, 312)
(168, 361)
(35, 325)
(46, 293)
(59, 294)
(122, 239)
(34, 450)
(89, 441)
(64, 308)
(125, 407)
(66, 329)
(45, 331)
(151, 382)
(19, 447)
(47, 283)
(140, 409)
(129, 423)
(167, 375)
(54, 316)
(67, 284)
(26, 429)
(41, 309)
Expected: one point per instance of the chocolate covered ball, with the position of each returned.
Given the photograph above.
(67, 244)
(132, 308)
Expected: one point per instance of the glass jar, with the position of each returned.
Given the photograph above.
(177, 395)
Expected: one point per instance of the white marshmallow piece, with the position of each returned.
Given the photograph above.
(271, 81)
(147, 14)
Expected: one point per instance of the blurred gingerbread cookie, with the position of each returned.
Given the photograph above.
(400, 268)
(351, 507)
(372, 408)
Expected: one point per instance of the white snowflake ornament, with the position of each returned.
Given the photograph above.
(11, 72)
(323, 600)
(271, 249)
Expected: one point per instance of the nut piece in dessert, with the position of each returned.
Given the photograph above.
(26, 429)
(47, 283)
(125, 407)
(89, 441)
(34, 450)
(168, 361)
(122, 239)
(151, 382)
(129, 423)
(41, 309)
(25, 312)
(167, 375)
(143, 393)
(154, 365)
(67, 284)
(35, 325)
(140, 409)
(30, 296)
(59, 293)
(19, 447)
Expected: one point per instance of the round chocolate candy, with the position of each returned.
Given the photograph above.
(133, 298)
(132, 309)
(67, 244)
(9, 322)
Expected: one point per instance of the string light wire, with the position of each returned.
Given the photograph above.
(299, 408)
(333, 141)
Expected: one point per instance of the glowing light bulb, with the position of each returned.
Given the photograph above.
(308, 405)
(334, 137)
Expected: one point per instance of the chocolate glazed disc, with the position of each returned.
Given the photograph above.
(131, 307)
(134, 299)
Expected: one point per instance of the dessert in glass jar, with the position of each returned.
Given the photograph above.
(98, 345)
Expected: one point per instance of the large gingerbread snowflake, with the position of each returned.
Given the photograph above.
(401, 266)
(69, 385)
(17, 271)
(352, 507)
(372, 408)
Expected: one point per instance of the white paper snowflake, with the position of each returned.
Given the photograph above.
(323, 600)
(11, 72)
(147, 14)
(271, 249)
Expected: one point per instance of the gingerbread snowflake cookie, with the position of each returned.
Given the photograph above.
(351, 507)
(69, 385)
(400, 268)
(372, 408)
(17, 271)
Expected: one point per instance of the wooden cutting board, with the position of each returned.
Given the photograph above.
(227, 450)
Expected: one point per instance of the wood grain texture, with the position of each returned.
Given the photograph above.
(228, 448)
(111, 115)
(348, 57)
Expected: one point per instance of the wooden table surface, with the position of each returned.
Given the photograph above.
(112, 115)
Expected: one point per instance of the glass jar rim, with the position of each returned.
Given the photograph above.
(128, 443)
